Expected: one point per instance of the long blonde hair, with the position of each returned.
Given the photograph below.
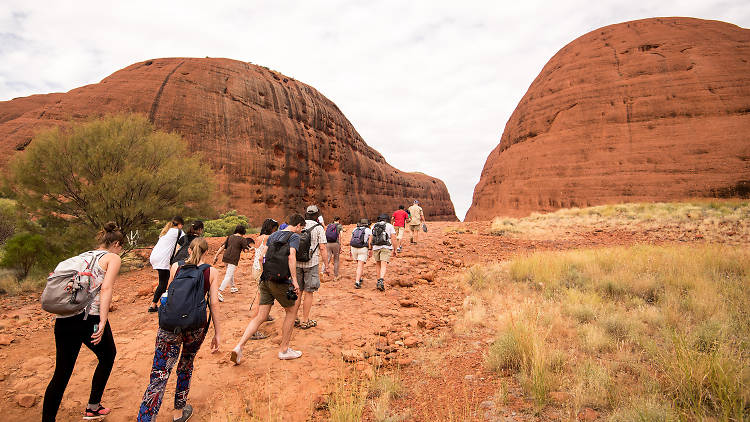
(197, 248)
(176, 221)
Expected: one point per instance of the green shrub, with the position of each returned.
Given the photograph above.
(22, 251)
(8, 219)
(225, 224)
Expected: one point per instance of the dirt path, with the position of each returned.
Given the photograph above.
(264, 387)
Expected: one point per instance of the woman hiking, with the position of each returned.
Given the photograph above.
(162, 254)
(93, 330)
(194, 231)
(233, 247)
(168, 344)
(269, 226)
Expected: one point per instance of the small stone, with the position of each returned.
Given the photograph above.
(112, 307)
(144, 291)
(352, 355)
(488, 404)
(6, 340)
(469, 378)
(588, 414)
(414, 323)
(399, 343)
(411, 342)
(406, 283)
(407, 303)
(26, 400)
(404, 361)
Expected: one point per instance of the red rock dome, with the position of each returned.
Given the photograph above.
(650, 110)
(276, 144)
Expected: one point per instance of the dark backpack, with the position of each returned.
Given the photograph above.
(183, 253)
(379, 235)
(332, 233)
(358, 237)
(185, 308)
(276, 265)
(304, 253)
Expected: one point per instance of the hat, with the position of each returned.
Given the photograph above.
(383, 217)
(364, 222)
(312, 209)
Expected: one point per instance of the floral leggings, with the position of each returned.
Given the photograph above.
(167, 350)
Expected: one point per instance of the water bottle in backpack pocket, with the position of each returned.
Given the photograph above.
(186, 304)
(68, 290)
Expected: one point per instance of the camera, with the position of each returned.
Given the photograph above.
(291, 294)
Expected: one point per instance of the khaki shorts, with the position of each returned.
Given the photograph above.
(308, 279)
(383, 254)
(359, 254)
(270, 291)
(399, 232)
(414, 227)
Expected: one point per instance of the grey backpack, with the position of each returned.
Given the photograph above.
(68, 289)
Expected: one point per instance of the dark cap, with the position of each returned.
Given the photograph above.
(364, 222)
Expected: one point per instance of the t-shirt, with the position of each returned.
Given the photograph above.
(233, 246)
(164, 249)
(317, 238)
(293, 240)
(399, 218)
(368, 233)
(391, 231)
(415, 211)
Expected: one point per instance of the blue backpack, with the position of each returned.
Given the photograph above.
(185, 308)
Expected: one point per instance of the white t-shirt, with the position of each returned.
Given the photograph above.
(164, 249)
(317, 238)
(391, 231)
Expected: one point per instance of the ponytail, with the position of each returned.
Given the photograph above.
(176, 221)
(110, 234)
(197, 248)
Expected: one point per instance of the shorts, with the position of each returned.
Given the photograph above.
(359, 254)
(414, 227)
(270, 290)
(399, 232)
(382, 254)
(308, 279)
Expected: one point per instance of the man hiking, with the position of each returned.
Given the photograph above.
(278, 281)
(416, 219)
(312, 246)
(333, 247)
(398, 219)
(380, 243)
(359, 248)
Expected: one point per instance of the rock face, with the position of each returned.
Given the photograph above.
(650, 110)
(276, 144)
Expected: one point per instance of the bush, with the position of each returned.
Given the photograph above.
(225, 224)
(22, 251)
(7, 219)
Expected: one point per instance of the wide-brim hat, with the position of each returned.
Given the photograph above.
(312, 209)
(364, 221)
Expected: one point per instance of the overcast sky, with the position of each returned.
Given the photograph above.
(429, 84)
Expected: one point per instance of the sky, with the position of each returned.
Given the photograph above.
(428, 84)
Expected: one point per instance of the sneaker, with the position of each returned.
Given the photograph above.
(358, 284)
(95, 415)
(381, 286)
(187, 412)
(236, 356)
(234, 290)
(221, 297)
(290, 354)
(398, 250)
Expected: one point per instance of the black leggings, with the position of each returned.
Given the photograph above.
(70, 333)
(163, 279)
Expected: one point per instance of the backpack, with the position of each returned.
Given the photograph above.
(379, 235)
(185, 308)
(358, 237)
(304, 253)
(276, 265)
(67, 292)
(183, 252)
(332, 233)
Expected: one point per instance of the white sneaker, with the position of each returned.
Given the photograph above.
(221, 297)
(234, 290)
(236, 356)
(290, 354)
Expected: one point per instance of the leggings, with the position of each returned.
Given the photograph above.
(167, 350)
(163, 279)
(70, 333)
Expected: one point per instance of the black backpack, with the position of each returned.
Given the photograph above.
(358, 237)
(185, 308)
(379, 235)
(276, 265)
(183, 253)
(304, 253)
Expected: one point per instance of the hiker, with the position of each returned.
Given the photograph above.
(162, 254)
(278, 282)
(416, 219)
(195, 231)
(179, 328)
(312, 245)
(91, 329)
(380, 243)
(398, 220)
(333, 246)
(359, 248)
(269, 226)
(233, 246)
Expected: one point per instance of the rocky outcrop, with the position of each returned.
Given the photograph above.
(276, 144)
(650, 110)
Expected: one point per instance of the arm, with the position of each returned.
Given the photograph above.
(293, 268)
(323, 251)
(214, 305)
(112, 270)
(216, 255)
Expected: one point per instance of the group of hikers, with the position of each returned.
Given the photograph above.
(288, 261)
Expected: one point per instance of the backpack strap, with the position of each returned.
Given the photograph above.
(176, 241)
(203, 268)
(94, 259)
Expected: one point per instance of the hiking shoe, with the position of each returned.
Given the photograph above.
(381, 286)
(95, 415)
(398, 250)
(234, 290)
(221, 297)
(187, 412)
(358, 284)
(236, 356)
(290, 354)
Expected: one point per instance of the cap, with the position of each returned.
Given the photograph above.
(364, 221)
(312, 209)
(383, 217)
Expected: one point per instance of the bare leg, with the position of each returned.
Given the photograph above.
(287, 326)
(360, 268)
(252, 327)
(306, 305)
(381, 270)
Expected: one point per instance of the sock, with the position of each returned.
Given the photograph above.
(92, 406)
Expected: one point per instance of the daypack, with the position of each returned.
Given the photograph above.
(184, 251)
(358, 237)
(304, 253)
(379, 235)
(332, 233)
(68, 291)
(185, 308)
(276, 265)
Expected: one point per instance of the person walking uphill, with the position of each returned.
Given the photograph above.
(195, 231)
(416, 219)
(398, 219)
(359, 248)
(162, 254)
(312, 245)
(333, 245)
(89, 326)
(278, 282)
(380, 243)
(233, 246)
(182, 324)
